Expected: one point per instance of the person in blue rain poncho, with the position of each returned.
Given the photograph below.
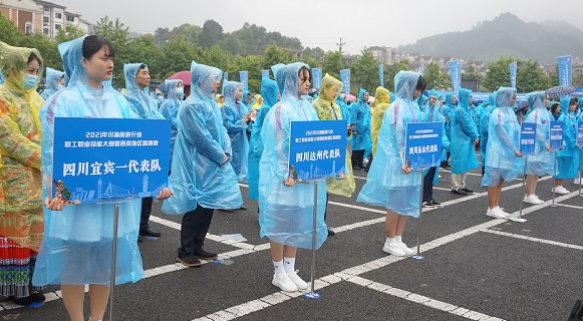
(503, 156)
(236, 119)
(433, 114)
(169, 109)
(568, 158)
(361, 135)
(464, 137)
(270, 96)
(579, 180)
(202, 177)
(77, 247)
(286, 206)
(391, 183)
(542, 162)
(137, 77)
(447, 111)
(55, 80)
(341, 101)
(484, 124)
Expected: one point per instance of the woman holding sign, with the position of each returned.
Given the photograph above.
(287, 207)
(77, 247)
(568, 157)
(391, 182)
(21, 219)
(542, 162)
(503, 159)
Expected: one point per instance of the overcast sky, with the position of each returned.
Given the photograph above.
(321, 23)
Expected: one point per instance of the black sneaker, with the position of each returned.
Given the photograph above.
(150, 232)
(242, 208)
(37, 297)
(436, 203)
(459, 192)
(227, 211)
(21, 301)
(188, 261)
(204, 255)
(331, 233)
(427, 205)
(469, 191)
(140, 239)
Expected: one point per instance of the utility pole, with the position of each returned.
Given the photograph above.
(340, 45)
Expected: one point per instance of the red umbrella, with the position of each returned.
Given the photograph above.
(182, 75)
(350, 97)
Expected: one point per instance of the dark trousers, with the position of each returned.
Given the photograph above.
(146, 211)
(195, 225)
(428, 184)
(357, 157)
(369, 163)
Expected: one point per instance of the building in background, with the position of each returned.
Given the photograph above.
(382, 54)
(56, 17)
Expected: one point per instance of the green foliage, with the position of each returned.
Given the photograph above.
(529, 76)
(364, 73)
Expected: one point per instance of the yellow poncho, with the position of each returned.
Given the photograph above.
(21, 214)
(323, 105)
(381, 101)
(258, 102)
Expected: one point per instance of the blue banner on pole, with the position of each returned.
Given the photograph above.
(455, 71)
(244, 77)
(109, 160)
(317, 149)
(580, 133)
(513, 69)
(422, 68)
(317, 77)
(265, 73)
(557, 134)
(225, 79)
(527, 138)
(423, 145)
(345, 77)
(382, 75)
(565, 70)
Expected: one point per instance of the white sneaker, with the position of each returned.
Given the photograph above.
(538, 199)
(393, 248)
(561, 190)
(577, 181)
(532, 199)
(300, 284)
(284, 283)
(405, 248)
(496, 212)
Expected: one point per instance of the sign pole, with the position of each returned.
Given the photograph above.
(554, 180)
(113, 259)
(580, 168)
(312, 294)
(418, 256)
(520, 219)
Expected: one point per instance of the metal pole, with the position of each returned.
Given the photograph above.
(554, 180)
(113, 259)
(312, 294)
(580, 168)
(420, 212)
(523, 184)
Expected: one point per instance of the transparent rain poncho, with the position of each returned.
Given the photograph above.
(447, 111)
(569, 157)
(21, 216)
(286, 213)
(463, 133)
(484, 124)
(201, 146)
(542, 162)
(361, 116)
(382, 100)
(327, 109)
(77, 246)
(233, 112)
(269, 93)
(433, 114)
(169, 110)
(52, 82)
(140, 100)
(503, 141)
(386, 184)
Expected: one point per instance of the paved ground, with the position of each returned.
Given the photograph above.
(475, 268)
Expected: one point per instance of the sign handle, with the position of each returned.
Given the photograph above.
(113, 259)
(418, 256)
(312, 294)
(554, 180)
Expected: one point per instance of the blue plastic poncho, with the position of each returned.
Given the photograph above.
(542, 162)
(286, 213)
(503, 141)
(77, 245)
(201, 146)
(386, 184)
(269, 94)
(463, 133)
(233, 112)
(447, 111)
(484, 124)
(169, 110)
(569, 157)
(341, 102)
(433, 114)
(52, 82)
(361, 116)
(142, 104)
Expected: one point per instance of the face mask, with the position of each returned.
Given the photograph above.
(160, 100)
(180, 92)
(30, 81)
(342, 96)
(59, 87)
